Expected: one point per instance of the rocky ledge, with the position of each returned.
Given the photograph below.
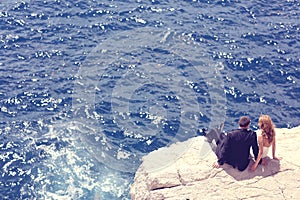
(184, 171)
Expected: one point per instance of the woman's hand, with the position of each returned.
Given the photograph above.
(277, 158)
(253, 168)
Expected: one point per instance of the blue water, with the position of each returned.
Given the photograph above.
(89, 87)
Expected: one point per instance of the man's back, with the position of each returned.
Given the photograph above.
(236, 148)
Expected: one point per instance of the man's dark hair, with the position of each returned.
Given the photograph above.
(244, 121)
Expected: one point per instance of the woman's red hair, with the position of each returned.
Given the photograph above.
(267, 126)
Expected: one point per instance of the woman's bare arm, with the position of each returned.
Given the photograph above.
(260, 152)
(274, 149)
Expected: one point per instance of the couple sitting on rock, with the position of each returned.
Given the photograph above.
(233, 148)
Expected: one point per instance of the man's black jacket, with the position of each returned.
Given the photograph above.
(234, 149)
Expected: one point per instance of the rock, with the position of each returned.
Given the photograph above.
(184, 171)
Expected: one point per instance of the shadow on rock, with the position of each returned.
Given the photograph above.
(272, 167)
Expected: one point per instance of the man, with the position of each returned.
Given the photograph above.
(234, 148)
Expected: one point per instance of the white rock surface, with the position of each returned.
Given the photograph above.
(184, 171)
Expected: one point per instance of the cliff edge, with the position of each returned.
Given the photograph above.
(184, 171)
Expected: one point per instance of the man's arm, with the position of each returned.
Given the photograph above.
(223, 150)
(254, 145)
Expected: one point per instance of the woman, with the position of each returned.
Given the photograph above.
(265, 140)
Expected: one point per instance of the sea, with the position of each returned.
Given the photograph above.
(89, 87)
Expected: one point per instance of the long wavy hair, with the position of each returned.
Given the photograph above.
(268, 128)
